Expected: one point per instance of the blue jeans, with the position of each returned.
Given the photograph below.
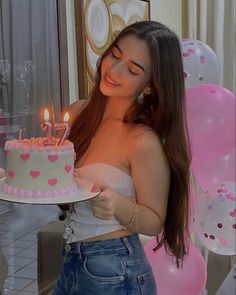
(112, 267)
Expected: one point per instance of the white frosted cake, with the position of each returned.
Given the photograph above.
(34, 170)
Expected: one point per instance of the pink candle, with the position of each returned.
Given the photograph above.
(21, 134)
(65, 126)
(47, 126)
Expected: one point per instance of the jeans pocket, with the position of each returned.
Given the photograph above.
(147, 284)
(105, 268)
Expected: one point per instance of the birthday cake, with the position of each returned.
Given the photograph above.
(35, 170)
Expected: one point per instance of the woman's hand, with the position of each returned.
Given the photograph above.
(104, 205)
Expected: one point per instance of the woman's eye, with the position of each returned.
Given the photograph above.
(133, 73)
(114, 55)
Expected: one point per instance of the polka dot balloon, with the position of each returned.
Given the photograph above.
(201, 65)
(215, 219)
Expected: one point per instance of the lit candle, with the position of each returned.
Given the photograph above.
(65, 126)
(47, 126)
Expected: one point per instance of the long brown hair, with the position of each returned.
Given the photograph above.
(164, 111)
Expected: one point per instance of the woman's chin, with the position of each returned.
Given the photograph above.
(105, 90)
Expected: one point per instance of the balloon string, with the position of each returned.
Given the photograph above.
(197, 188)
(206, 255)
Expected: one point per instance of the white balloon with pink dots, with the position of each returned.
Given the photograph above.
(215, 219)
(200, 62)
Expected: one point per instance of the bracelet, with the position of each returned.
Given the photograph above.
(133, 217)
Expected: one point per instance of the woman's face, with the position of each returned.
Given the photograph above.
(125, 71)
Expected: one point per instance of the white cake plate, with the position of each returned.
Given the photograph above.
(82, 194)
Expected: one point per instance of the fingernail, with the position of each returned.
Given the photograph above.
(94, 189)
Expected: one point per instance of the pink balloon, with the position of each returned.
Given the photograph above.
(211, 121)
(210, 173)
(170, 280)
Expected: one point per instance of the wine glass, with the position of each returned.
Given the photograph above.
(5, 69)
(24, 71)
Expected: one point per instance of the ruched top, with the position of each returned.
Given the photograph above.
(80, 223)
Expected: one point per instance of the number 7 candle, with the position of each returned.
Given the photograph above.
(65, 125)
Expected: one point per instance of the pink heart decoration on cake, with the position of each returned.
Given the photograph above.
(24, 157)
(34, 173)
(68, 168)
(11, 173)
(52, 158)
(52, 181)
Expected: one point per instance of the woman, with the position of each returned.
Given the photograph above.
(131, 139)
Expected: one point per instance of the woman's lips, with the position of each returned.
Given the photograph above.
(110, 82)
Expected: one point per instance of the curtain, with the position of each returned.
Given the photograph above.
(29, 32)
(213, 22)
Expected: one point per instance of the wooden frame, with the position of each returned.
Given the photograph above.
(97, 23)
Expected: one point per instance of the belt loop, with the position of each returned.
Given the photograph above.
(128, 245)
(79, 249)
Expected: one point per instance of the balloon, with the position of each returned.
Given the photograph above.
(210, 173)
(201, 65)
(211, 121)
(215, 223)
(191, 279)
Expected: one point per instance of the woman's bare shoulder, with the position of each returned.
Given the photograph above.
(76, 107)
(141, 133)
(143, 139)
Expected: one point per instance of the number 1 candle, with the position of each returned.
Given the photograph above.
(47, 126)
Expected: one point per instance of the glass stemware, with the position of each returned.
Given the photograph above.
(5, 69)
(23, 72)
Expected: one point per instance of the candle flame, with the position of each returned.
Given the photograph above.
(66, 117)
(46, 115)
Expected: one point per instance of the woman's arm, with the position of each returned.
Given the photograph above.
(151, 176)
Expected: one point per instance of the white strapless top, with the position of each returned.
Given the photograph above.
(80, 223)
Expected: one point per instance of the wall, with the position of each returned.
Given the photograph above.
(169, 13)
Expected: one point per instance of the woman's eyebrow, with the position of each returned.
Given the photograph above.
(134, 62)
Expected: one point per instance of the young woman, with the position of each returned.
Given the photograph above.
(131, 140)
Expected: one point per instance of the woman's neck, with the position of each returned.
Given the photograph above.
(116, 108)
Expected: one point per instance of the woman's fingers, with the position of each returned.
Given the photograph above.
(103, 205)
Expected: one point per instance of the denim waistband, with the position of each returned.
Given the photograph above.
(104, 246)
